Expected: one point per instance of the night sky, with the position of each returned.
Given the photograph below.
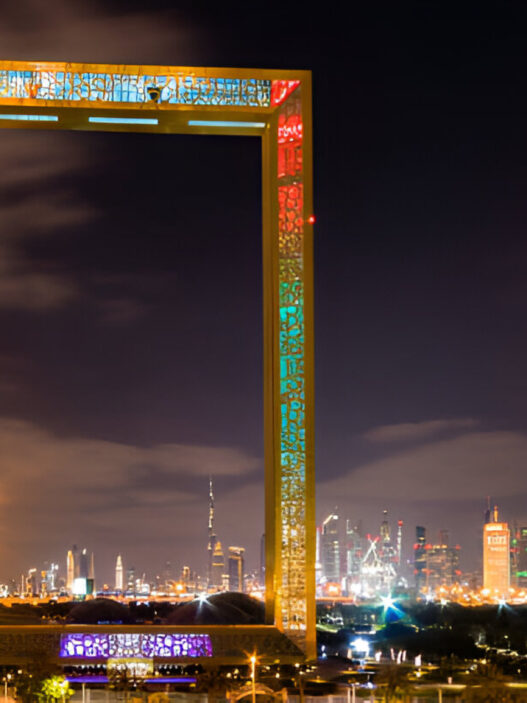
(130, 285)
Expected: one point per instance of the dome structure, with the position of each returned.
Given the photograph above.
(99, 611)
(227, 608)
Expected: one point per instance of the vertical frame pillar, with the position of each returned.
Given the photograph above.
(288, 369)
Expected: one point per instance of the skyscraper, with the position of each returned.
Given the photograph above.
(354, 552)
(70, 571)
(385, 528)
(236, 564)
(496, 556)
(442, 563)
(399, 546)
(119, 573)
(521, 557)
(218, 566)
(212, 537)
(91, 569)
(84, 564)
(330, 548)
(420, 558)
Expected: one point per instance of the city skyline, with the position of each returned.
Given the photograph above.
(402, 546)
(130, 355)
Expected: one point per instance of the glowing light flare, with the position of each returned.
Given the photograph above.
(361, 645)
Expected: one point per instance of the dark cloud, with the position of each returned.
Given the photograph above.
(415, 431)
(90, 486)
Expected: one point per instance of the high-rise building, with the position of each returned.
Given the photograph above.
(496, 556)
(84, 564)
(521, 557)
(399, 546)
(130, 579)
(91, 570)
(52, 578)
(218, 566)
(119, 574)
(212, 538)
(76, 561)
(32, 582)
(330, 548)
(236, 563)
(385, 528)
(70, 571)
(420, 558)
(354, 553)
(442, 564)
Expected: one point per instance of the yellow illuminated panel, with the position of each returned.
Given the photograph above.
(496, 558)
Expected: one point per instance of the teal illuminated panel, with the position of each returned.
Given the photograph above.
(31, 118)
(172, 89)
(225, 123)
(123, 120)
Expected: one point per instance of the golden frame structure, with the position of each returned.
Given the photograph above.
(275, 106)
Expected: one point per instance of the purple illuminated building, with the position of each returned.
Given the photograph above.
(123, 645)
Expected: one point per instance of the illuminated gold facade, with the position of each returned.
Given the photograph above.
(496, 558)
(275, 106)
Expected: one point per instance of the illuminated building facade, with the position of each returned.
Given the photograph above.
(330, 548)
(442, 566)
(420, 558)
(521, 557)
(355, 550)
(276, 106)
(496, 556)
(70, 571)
(212, 536)
(119, 574)
(218, 566)
(236, 568)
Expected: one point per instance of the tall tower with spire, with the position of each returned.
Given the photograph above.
(119, 581)
(211, 534)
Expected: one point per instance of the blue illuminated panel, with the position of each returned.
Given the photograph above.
(30, 118)
(172, 89)
(225, 123)
(123, 120)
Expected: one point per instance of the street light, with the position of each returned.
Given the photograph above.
(7, 678)
(252, 659)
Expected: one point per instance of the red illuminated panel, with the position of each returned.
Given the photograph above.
(281, 90)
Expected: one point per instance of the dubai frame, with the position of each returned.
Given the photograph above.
(276, 106)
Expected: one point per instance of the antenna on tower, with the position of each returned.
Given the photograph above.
(487, 511)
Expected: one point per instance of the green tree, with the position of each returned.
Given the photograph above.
(28, 682)
(56, 688)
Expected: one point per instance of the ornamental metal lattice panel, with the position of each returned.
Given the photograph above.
(275, 106)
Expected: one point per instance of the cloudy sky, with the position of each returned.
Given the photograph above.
(130, 286)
